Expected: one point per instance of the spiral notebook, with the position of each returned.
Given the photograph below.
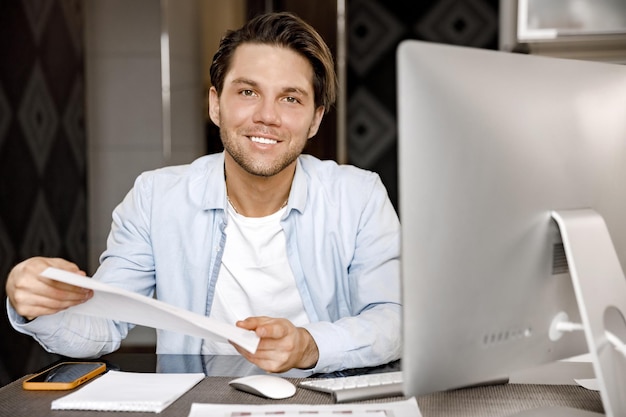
(129, 391)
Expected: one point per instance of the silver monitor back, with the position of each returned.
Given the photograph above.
(489, 144)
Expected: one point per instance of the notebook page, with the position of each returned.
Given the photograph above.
(129, 391)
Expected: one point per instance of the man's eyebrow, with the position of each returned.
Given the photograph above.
(296, 90)
(244, 81)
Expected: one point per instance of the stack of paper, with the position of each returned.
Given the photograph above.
(129, 391)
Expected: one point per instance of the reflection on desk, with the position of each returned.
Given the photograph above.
(497, 400)
(210, 365)
(218, 365)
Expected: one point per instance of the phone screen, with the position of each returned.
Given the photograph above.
(66, 372)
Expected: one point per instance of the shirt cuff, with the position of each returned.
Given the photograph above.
(14, 318)
(330, 348)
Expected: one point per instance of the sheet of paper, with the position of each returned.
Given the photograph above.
(308, 414)
(585, 357)
(406, 408)
(118, 304)
(129, 391)
(590, 384)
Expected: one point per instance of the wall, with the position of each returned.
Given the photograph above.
(43, 208)
(217, 17)
(374, 30)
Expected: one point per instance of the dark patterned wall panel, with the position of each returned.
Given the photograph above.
(42, 150)
(374, 30)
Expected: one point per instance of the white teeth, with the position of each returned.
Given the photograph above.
(262, 140)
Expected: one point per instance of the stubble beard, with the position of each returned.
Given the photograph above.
(257, 167)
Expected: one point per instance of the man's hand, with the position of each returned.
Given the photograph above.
(283, 346)
(32, 295)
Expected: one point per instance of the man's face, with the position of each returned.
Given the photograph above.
(266, 112)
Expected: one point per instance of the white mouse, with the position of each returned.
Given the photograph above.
(268, 386)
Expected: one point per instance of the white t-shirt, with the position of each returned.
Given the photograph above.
(255, 278)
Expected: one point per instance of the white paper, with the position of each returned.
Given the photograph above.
(590, 384)
(405, 408)
(129, 391)
(297, 413)
(118, 304)
(585, 357)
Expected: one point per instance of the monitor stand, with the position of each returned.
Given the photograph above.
(600, 288)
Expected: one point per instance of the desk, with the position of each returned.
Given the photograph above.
(499, 400)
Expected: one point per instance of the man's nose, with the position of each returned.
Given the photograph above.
(267, 112)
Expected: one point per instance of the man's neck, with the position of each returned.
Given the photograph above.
(257, 196)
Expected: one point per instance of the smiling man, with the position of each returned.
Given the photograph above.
(304, 252)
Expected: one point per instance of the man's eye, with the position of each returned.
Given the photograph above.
(247, 93)
(291, 99)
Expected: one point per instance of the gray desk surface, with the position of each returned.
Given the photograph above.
(498, 400)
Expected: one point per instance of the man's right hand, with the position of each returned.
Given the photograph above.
(32, 295)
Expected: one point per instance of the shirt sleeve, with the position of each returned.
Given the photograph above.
(72, 335)
(371, 335)
(369, 339)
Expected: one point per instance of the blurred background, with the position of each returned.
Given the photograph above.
(93, 92)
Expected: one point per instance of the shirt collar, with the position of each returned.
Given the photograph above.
(299, 188)
(215, 191)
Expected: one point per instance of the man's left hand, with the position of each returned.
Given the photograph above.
(282, 347)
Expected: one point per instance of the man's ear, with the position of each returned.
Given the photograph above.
(214, 106)
(317, 120)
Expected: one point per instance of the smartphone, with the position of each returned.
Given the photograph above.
(64, 376)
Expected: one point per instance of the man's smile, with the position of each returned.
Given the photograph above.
(264, 141)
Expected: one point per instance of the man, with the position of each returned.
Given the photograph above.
(303, 252)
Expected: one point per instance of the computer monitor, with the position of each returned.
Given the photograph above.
(492, 148)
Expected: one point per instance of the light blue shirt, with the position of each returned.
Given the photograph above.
(343, 245)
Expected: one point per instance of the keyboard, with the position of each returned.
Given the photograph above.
(358, 387)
